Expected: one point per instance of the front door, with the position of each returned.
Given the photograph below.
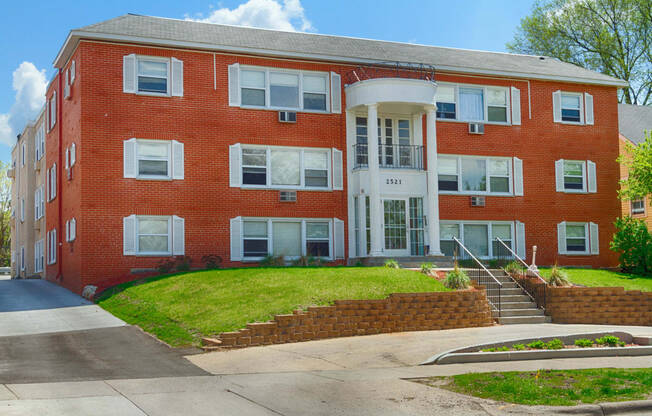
(395, 227)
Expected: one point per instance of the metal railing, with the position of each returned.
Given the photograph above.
(392, 69)
(392, 156)
(524, 276)
(481, 275)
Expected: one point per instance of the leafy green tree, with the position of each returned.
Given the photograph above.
(5, 215)
(634, 243)
(638, 161)
(609, 36)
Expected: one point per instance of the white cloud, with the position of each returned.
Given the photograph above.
(269, 14)
(29, 84)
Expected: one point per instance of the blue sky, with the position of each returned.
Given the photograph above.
(35, 30)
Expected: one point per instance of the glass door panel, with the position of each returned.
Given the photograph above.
(395, 225)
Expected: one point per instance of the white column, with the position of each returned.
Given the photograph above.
(350, 162)
(433, 185)
(374, 181)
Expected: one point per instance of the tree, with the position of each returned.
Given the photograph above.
(638, 161)
(5, 215)
(609, 36)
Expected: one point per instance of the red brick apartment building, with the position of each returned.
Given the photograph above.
(169, 137)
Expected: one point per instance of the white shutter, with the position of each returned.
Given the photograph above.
(338, 238)
(235, 169)
(47, 184)
(53, 234)
(177, 78)
(595, 240)
(236, 241)
(588, 108)
(518, 177)
(561, 237)
(591, 176)
(129, 235)
(129, 73)
(559, 175)
(516, 106)
(73, 154)
(177, 160)
(130, 170)
(73, 229)
(234, 85)
(67, 157)
(73, 71)
(53, 177)
(68, 230)
(36, 204)
(521, 250)
(336, 93)
(556, 106)
(178, 236)
(338, 179)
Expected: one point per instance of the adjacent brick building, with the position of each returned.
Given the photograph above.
(174, 138)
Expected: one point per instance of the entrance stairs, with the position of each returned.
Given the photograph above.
(516, 305)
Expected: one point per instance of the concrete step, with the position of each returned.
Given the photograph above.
(518, 305)
(511, 320)
(519, 312)
(515, 298)
(507, 291)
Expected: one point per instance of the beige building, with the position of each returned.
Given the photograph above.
(28, 201)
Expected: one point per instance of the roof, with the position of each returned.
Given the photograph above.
(208, 36)
(634, 120)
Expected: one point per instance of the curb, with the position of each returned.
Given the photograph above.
(605, 409)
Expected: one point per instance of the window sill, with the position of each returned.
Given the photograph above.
(578, 254)
(568, 191)
(476, 193)
(572, 123)
(146, 178)
(253, 107)
(150, 94)
(280, 188)
(153, 254)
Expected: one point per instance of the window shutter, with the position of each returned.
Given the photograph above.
(236, 241)
(336, 93)
(521, 250)
(67, 230)
(47, 184)
(36, 205)
(129, 235)
(73, 229)
(177, 78)
(73, 154)
(594, 235)
(561, 237)
(53, 109)
(518, 177)
(556, 106)
(130, 158)
(338, 238)
(177, 160)
(53, 176)
(129, 73)
(178, 236)
(338, 179)
(591, 176)
(234, 85)
(73, 71)
(67, 157)
(588, 108)
(559, 175)
(235, 170)
(516, 106)
(54, 245)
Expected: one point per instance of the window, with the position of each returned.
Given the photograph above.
(571, 107)
(51, 178)
(152, 75)
(255, 241)
(446, 107)
(446, 234)
(317, 239)
(22, 155)
(290, 238)
(153, 235)
(448, 176)
(39, 256)
(52, 246)
(573, 175)
(39, 203)
(499, 175)
(638, 206)
(478, 237)
(71, 230)
(471, 104)
(153, 158)
(576, 238)
(22, 258)
(283, 89)
(286, 238)
(474, 174)
(22, 209)
(285, 167)
(52, 116)
(497, 105)
(39, 143)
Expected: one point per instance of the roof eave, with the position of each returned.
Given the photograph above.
(76, 35)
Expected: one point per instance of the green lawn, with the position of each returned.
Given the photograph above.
(597, 277)
(180, 308)
(552, 387)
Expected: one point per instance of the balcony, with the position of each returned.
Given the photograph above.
(390, 156)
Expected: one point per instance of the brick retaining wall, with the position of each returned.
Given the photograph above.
(396, 313)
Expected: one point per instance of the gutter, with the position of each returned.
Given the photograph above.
(60, 173)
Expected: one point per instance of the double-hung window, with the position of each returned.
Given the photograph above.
(471, 104)
(286, 237)
(284, 90)
(474, 103)
(153, 235)
(286, 167)
(153, 75)
(252, 84)
(499, 177)
(255, 240)
(577, 238)
(446, 107)
(315, 92)
(316, 169)
(254, 166)
(638, 206)
(571, 107)
(474, 175)
(448, 174)
(153, 159)
(573, 175)
(497, 105)
(317, 239)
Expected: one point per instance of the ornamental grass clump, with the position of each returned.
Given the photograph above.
(427, 268)
(391, 264)
(457, 279)
(558, 277)
(513, 268)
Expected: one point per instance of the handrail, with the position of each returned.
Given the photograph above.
(478, 261)
(536, 274)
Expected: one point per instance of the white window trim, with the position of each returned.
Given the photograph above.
(52, 246)
(154, 253)
(587, 240)
(637, 211)
(301, 185)
(490, 236)
(168, 87)
(22, 258)
(300, 73)
(39, 258)
(270, 239)
(167, 177)
(584, 178)
(484, 88)
(487, 163)
(561, 108)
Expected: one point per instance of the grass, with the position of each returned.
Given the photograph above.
(597, 277)
(180, 308)
(552, 387)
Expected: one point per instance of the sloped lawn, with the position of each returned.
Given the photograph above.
(181, 308)
(605, 278)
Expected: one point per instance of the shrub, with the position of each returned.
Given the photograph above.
(391, 263)
(212, 261)
(513, 268)
(558, 277)
(503, 348)
(583, 343)
(609, 340)
(272, 261)
(183, 263)
(306, 261)
(536, 345)
(457, 279)
(634, 243)
(518, 347)
(555, 344)
(427, 268)
(165, 266)
(489, 350)
(493, 263)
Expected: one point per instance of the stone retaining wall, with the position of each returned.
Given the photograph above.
(396, 313)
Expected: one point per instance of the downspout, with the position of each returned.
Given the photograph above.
(60, 173)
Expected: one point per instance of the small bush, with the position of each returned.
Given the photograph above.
(391, 263)
(518, 347)
(513, 268)
(536, 345)
(634, 243)
(212, 261)
(489, 350)
(558, 277)
(494, 263)
(503, 348)
(165, 266)
(555, 344)
(272, 261)
(183, 263)
(583, 343)
(427, 268)
(457, 279)
(609, 340)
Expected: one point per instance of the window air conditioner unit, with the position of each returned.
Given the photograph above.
(477, 201)
(476, 128)
(287, 116)
(288, 196)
